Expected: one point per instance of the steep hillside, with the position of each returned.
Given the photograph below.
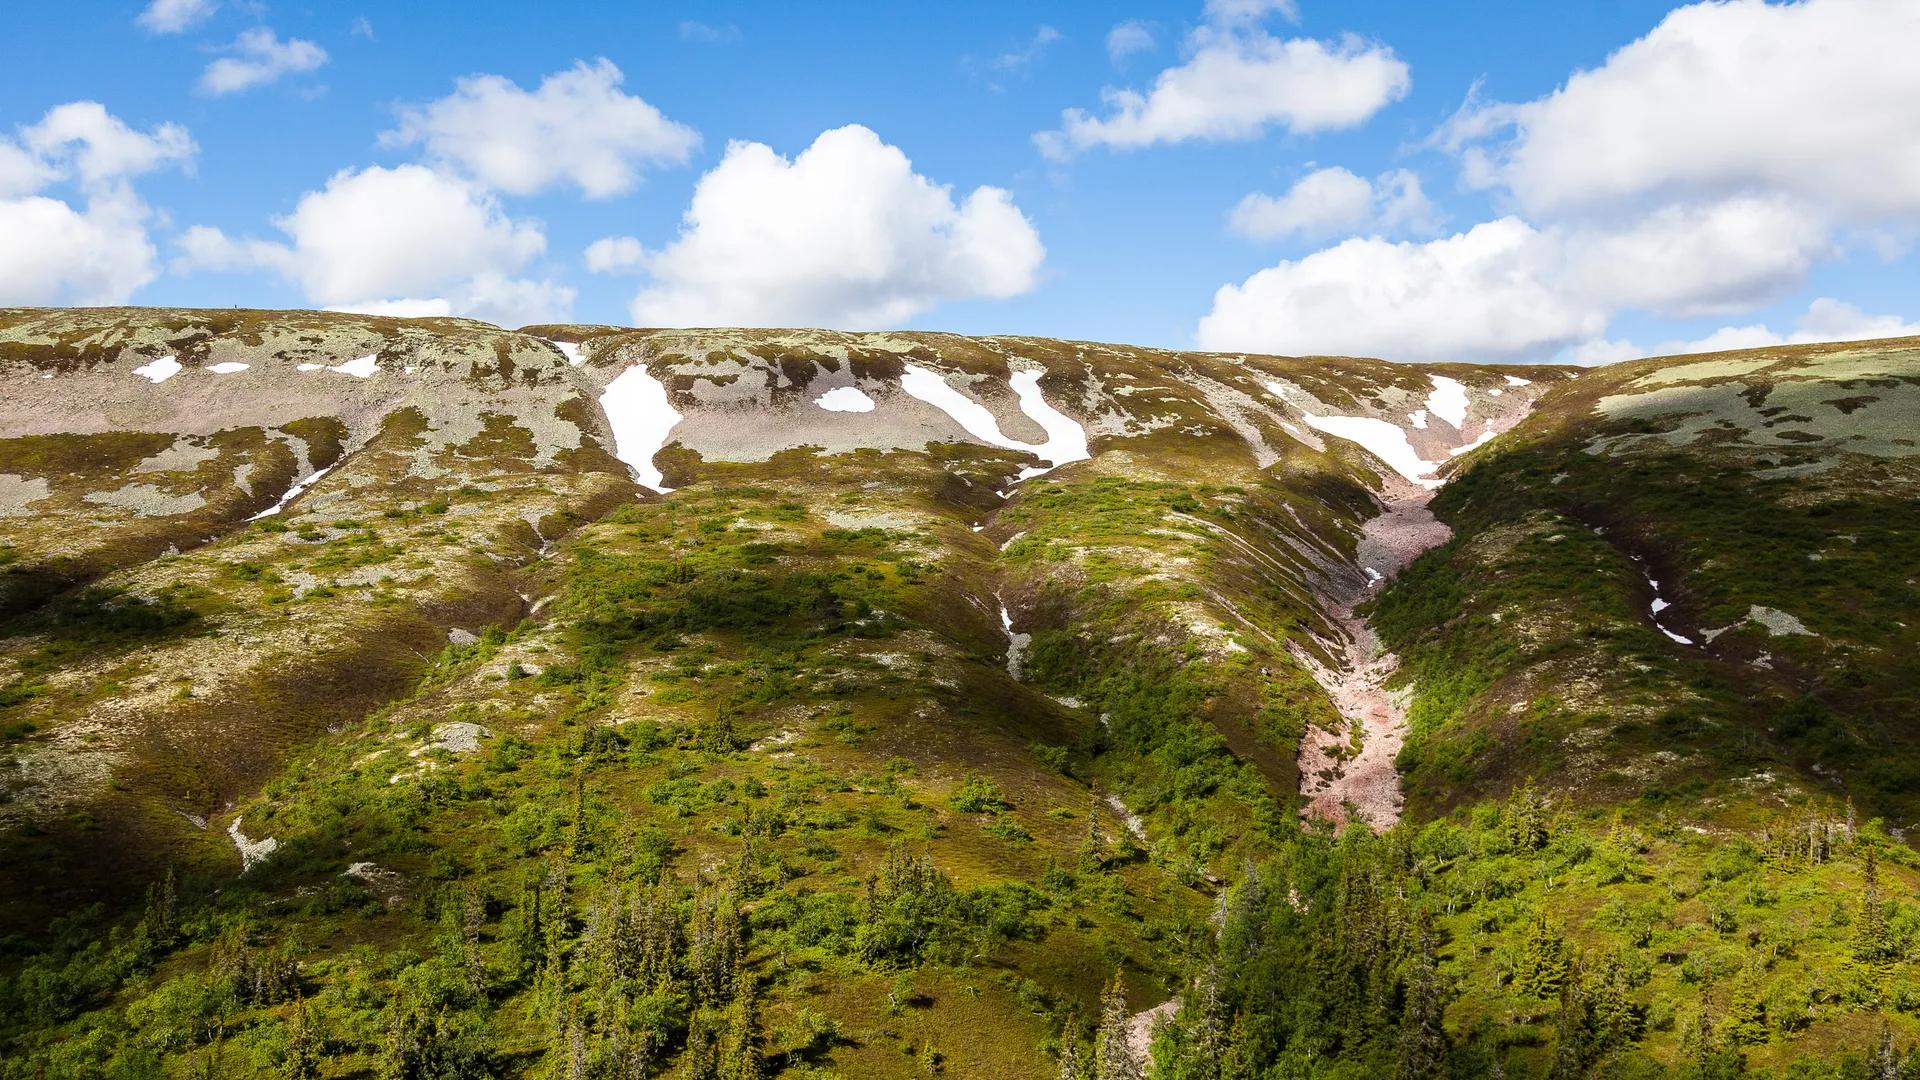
(593, 701)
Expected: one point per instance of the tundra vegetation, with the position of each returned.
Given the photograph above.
(543, 773)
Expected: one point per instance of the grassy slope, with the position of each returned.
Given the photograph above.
(1685, 890)
(786, 682)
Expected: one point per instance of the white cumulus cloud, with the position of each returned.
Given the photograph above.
(174, 16)
(578, 127)
(844, 234)
(98, 252)
(1485, 294)
(260, 57)
(1704, 169)
(83, 141)
(1331, 200)
(1127, 38)
(1237, 82)
(1826, 319)
(1812, 100)
(378, 237)
(613, 254)
(55, 254)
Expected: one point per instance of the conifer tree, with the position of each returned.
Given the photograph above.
(1616, 1020)
(302, 1058)
(1526, 819)
(740, 1053)
(529, 933)
(1872, 943)
(1071, 1067)
(1543, 964)
(1746, 1022)
(1884, 1064)
(1208, 1036)
(1424, 1047)
(1093, 849)
(1112, 1051)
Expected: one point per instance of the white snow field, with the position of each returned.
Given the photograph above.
(641, 418)
(1066, 439)
(845, 399)
(159, 369)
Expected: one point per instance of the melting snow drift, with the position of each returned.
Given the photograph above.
(158, 370)
(845, 399)
(1066, 439)
(641, 418)
(1448, 400)
(1382, 440)
(293, 493)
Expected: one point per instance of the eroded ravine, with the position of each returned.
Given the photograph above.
(1366, 786)
(1337, 783)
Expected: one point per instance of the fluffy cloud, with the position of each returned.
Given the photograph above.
(1335, 200)
(1826, 319)
(1484, 294)
(1236, 83)
(1678, 261)
(1695, 260)
(259, 58)
(1810, 100)
(612, 254)
(577, 128)
(376, 238)
(1127, 38)
(844, 234)
(55, 253)
(82, 141)
(1705, 168)
(1030, 53)
(1240, 11)
(174, 16)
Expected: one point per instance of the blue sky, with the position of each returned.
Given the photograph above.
(1699, 234)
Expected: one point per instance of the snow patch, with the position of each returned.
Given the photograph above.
(362, 367)
(293, 493)
(1418, 418)
(1066, 439)
(641, 418)
(568, 349)
(227, 367)
(308, 367)
(1476, 444)
(1448, 400)
(1515, 380)
(1382, 440)
(1016, 644)
(845, 399)
(1660, 604)
(252, 852)
(159, 369)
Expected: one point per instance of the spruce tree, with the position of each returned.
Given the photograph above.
(1071, 1067)
(740, 1053)
(1746, 1023)
(1112, 1049)
(1543, 964)
(302, 1058)
(1424, 1047)
(1872, 942)
(1093, 849)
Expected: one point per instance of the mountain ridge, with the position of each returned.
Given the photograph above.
(1080, 630)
